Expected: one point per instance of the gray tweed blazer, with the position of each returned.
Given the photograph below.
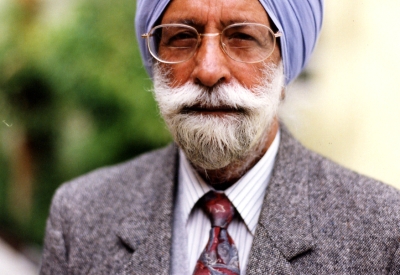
(317, 218)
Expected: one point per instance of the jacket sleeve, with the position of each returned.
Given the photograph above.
(55, 252)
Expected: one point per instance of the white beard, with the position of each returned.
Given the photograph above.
(215, 141)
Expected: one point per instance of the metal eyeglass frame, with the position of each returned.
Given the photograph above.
(199, 35)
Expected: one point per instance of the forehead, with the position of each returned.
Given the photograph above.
(217, 12)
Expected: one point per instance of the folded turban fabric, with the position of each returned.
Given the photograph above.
(300, 22)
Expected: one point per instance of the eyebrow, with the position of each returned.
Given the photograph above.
(190, 22)
(199, 26)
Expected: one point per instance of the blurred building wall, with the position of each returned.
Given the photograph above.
(349, 109)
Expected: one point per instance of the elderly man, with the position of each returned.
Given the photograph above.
(235, 194)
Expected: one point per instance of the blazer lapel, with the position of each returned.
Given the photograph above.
(284, 229)
(148, 230)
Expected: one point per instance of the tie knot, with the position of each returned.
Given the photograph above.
(218, 208)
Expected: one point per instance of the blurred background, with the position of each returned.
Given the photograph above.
(74, 96)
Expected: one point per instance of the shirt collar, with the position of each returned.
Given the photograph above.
(246, 194)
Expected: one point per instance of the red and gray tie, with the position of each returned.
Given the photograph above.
(220, 255)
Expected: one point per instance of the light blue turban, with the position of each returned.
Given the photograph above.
(300, 22)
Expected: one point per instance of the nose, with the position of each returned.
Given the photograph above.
(211, 64)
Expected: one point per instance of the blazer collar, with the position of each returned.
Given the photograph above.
(284, 229)
(148, 230)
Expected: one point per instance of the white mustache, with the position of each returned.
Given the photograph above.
(228, 96)
(224, 96)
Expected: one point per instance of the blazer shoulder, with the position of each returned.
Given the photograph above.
(359, 195)
(338, 176)
(133, 178)
(332, 185)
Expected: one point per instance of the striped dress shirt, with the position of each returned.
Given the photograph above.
(246, 195)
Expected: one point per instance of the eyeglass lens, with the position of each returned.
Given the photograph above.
(242, 42)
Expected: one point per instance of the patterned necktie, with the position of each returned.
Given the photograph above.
(220, 255)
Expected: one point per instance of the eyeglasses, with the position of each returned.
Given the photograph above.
(243, 42)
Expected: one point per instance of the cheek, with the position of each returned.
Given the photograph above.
(250, 75)
(247, 75)
(178, 74)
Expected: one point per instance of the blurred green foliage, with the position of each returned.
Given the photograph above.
(73, 96)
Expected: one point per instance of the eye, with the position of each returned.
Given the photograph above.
(240, 40)
(241, 36)
(184, 35)
(178, 38)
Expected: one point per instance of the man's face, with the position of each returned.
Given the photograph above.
(218, 110)
(211, 66)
